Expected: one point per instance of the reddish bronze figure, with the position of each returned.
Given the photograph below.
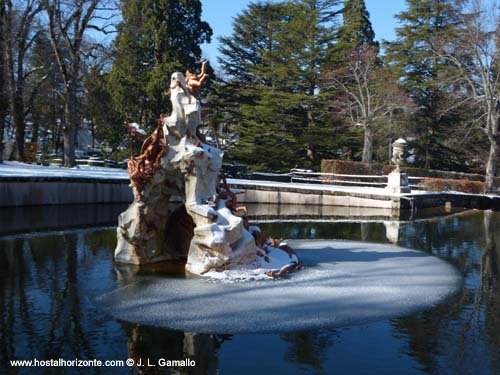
(194, 81)
(143, 167)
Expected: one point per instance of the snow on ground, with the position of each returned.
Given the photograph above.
(17, 169)
(321, 187)
(343, 283)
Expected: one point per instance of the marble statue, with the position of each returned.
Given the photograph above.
(209, 230)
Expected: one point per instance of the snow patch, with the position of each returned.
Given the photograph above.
(17, 169)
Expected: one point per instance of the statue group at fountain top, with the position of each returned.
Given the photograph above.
(209, 230)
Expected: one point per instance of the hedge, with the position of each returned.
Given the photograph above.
(433, 180)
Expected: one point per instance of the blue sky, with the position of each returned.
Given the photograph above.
(219, 14)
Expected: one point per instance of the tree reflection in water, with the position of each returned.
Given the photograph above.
(48, 283)
(149, 345)
(309, 348)
(45, 307)
(460, 335)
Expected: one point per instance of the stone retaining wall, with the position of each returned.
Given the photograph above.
(36, 191)
(56, 191)
(254, 193)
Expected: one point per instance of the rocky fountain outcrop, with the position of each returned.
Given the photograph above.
(208, 230)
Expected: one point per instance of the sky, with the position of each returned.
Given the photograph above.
(220, 13)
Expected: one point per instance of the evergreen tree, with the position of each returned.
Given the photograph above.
(273, 61)
(356, 30)
(105, 122)
(424, 26)
(250, 57)
(155, 39)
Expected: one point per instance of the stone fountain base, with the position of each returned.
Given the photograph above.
(175, 160)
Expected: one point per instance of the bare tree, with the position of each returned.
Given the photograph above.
(21, 35)
(478, 39)
(68, 23)
(367, 92)
(3, 74)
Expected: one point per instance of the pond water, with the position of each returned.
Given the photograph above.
(49, 279)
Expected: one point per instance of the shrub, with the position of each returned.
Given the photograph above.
(442, 184)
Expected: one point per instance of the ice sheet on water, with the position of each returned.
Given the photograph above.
(342, 283)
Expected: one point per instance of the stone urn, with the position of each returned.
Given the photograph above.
(397, 182)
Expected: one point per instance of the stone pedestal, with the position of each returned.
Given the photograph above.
(397, 182)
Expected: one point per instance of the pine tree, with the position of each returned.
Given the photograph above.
(105, 122)
(356, 30)
(155, 39)
(425, 24)
(257, 78)
(273, 60)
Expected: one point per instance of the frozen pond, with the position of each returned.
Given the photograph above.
(342, 283)
(49, 282)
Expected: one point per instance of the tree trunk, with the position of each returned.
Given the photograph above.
(427, 155)
(53, 123)
(36, 128)
(18, 107)
(58, 128)
(2, 129)
(69, 133)
(491, 167)
(310, 119)
(368, 145)
(92, 131)
(3, 76)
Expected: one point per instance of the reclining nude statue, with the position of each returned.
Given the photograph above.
(209, 230)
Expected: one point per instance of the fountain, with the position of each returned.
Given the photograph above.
(209, 229)
(242, 291)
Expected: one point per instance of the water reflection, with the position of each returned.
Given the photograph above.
(309, 348)
(149, 346)
(48, 282)
(460, 336)
(45, 288)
